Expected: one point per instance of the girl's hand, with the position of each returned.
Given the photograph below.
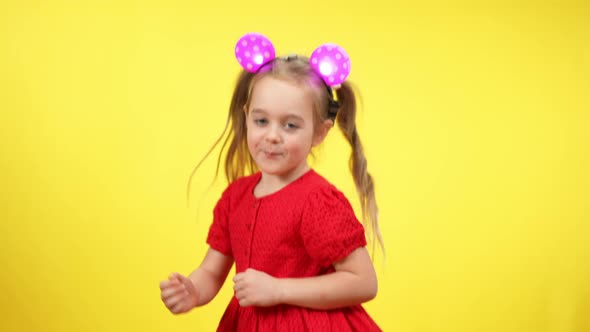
(179, 294)
(256, 288)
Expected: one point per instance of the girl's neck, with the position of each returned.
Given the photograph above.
(270, 183)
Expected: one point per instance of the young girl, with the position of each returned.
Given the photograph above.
(299, 250)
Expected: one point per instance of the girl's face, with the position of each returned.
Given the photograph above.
(280, 127)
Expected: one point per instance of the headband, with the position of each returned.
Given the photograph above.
(329, 61)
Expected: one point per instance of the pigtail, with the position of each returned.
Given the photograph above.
(238, 161)
(346, 120)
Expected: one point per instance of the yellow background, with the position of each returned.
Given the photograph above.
(475, 121)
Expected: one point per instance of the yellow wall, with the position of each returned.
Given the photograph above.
(476, 125)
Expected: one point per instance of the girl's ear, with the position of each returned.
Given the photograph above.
(322, 132)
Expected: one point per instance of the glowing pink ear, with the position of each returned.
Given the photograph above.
(331, 62)
(254, 50)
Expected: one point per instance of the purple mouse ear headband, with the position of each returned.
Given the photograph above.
(329, 61)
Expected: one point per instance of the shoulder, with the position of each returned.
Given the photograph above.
(312, 181)
(322, 191)
(241, 187)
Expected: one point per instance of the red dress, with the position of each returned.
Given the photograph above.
(298, 231)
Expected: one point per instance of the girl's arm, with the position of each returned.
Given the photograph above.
(211, 275)
(180, 294)
(353, 282)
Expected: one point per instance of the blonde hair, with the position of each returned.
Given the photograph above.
(238, 161)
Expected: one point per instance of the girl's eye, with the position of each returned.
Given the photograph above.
(291, 126)
(260, 122)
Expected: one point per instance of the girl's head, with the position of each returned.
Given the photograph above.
(285, 117)
(278, 113)
(311, 98)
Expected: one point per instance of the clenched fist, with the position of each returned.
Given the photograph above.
(179, 293)
(256, 288)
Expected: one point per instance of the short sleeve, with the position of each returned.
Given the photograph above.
(329, 228)
(218, 237)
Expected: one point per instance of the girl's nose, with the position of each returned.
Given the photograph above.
(272, 135)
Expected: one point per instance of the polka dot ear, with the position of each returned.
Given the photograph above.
(331, 62)
(254, 50)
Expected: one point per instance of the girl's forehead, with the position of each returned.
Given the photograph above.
(276, 82)
(277, 93)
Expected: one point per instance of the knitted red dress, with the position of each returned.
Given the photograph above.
(298, 231)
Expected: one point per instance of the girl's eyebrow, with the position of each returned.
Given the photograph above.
(294, 117)
(257, 110)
